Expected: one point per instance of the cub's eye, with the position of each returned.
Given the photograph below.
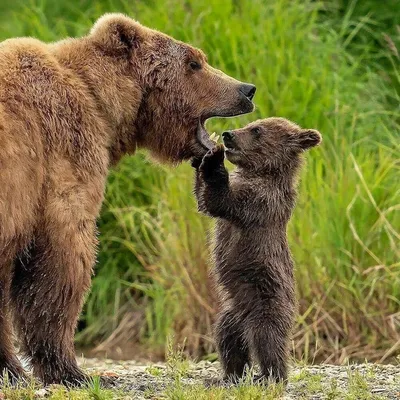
(194, 65)
(256, 131)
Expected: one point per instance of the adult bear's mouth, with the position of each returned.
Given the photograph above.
(244, 106)
(202, 135)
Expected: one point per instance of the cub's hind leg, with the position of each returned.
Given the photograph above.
(268, 327)
(232, 347)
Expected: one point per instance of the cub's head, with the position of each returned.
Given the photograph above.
(268, 143)
(179, 89)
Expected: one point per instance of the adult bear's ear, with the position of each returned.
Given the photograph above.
(308, 138)
(117, 34)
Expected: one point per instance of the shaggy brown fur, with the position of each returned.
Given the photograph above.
(252, 258)
(69, 110)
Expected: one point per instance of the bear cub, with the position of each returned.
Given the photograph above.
(253, 263)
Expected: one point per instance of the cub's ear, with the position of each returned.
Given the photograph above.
(117, 34)
(308, 138)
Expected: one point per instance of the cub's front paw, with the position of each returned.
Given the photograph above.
(213, 159)
(195, 162)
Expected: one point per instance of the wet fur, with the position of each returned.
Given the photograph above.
(253, 263)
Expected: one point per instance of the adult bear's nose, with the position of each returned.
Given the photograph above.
(248, 90)
(227, 135)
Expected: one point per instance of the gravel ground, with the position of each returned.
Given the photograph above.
(363, 381)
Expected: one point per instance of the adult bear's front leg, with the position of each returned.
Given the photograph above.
(49, 285)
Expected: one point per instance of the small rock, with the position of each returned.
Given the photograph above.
(40, 393)
(378, 390)
(110, 374)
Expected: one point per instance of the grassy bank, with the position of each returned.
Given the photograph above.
(318, 64)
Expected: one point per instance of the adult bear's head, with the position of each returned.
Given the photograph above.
(173, 88)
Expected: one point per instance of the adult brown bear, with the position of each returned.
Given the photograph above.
(68, 111)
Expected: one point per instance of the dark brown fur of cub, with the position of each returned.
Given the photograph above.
(253, 263)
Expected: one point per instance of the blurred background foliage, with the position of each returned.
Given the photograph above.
(332, 65)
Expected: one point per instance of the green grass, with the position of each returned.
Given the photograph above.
(321, 66)
(244, 391)
(33, 390)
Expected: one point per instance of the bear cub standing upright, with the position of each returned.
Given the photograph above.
(253, 263)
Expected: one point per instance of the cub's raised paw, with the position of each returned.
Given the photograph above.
(213, 159)
(195, 162)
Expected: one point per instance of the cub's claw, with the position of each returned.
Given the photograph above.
(218, 152)
(213, 158)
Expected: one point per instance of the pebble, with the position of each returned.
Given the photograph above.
(40, 393)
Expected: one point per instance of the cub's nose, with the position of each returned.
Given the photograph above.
(248, 90)
(227, 135)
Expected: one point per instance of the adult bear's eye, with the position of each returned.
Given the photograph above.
(256, 131)
(194, 65)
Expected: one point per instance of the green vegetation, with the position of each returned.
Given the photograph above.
(33, 390)
(323, 64)
(244, 391)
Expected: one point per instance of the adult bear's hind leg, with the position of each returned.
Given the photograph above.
(48, 290)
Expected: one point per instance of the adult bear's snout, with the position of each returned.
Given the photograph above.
(248, 90)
